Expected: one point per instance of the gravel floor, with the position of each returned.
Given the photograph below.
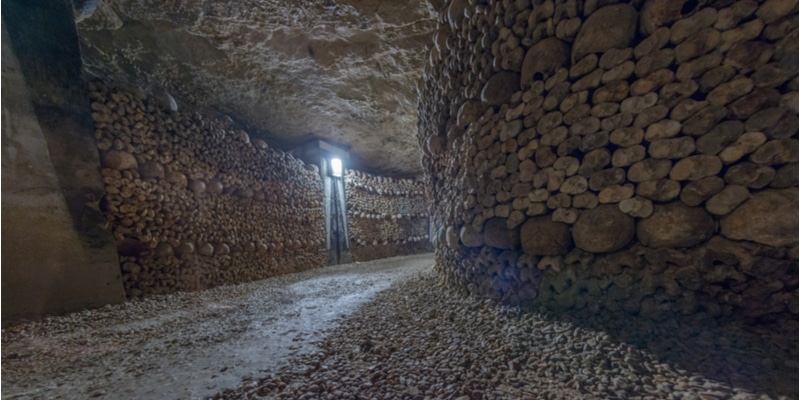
(189, 345)
(417, 341)
(384, 330)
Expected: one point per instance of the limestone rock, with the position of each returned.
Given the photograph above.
(664, 129)
(749, 55)
(614, 57)
(603, 229)
(585, 200)
(675, 226)
(772, 10)
(574, 185)
(609, 27)
(727, 200)
(729, 17)
(151, 169)
(661, 190)
(469, 112)
(719, 137)
(697, 45)
(584, 66)
(119, 160)
(687, 27)
(652, 82)
(626, 156)
(696, 68)
(768, 217)
(206, 250)
(178, 178)
(455, 13)
(695, 193)
(615, 193)
(727, 92)
(658, 13)
(611, 92)
(565, 215)
(705, 119)
(651, 115)
(637, 104)
(654, 61)
(754, 176)
(497, 234)
(780, 151)
(537, 67)
(672, 148)
(606, 178)
(638, 207)
(594, 161)
(757, 100)
(649, 169)
(215, 186)
(658, 39)
(695, 167)
(744, 145)
(627, 137)
(500, 87)
(541, 236)
(685, 109)
(197, 186)
(451, 238)
(785, 177)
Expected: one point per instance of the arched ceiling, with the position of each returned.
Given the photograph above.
(344, 70)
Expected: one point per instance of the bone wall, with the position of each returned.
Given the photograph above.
(387, 217)
(194, 203)
(601, 155)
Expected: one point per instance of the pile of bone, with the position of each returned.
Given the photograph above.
(194, 203)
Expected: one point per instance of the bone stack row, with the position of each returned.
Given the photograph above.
(194, 203)
(555, 133)
(387, 216)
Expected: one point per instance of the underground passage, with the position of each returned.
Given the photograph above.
(426, 199)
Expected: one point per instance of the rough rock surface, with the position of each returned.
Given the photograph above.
(603, 229)
(345, 71)
(419, 341)
(544, 237)
(767, 218)
(675, 225)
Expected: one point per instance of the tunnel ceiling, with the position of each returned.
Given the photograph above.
(342, 70)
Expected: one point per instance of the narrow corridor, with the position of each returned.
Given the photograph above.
(189, 345)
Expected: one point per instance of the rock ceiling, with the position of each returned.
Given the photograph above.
(286, 71)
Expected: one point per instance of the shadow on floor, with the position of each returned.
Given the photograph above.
(760, 358)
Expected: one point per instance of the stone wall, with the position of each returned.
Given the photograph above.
(57, 256)
(194, 203)
(387, 217)
(600, 155)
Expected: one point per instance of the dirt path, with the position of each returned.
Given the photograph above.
(190, 345)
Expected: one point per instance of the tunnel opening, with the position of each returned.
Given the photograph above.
(549, 200)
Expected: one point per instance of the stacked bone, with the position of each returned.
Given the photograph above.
(387, 216)
(556, 131)
(193, 203)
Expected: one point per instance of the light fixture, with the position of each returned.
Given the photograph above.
(336, 167)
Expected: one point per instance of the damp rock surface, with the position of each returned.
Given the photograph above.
(189, 345)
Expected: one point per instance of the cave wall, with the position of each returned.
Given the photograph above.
(57, 257)
(194, 203)
(387, 217)
(636, 157)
